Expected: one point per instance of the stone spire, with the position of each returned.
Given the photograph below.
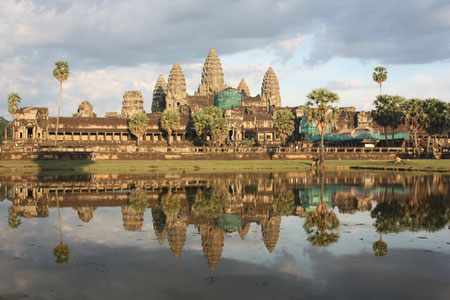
(132, 220)
(132, 103)
(159, 225)
(270, 231)
(176, 232)
(212, 75)
(243, 230)
(270, 90)
(85, 110)
(176, 87)
(159, 95)
(243, 88)
(212, 243)
(85, 213)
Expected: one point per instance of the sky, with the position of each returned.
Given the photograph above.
(113, 46)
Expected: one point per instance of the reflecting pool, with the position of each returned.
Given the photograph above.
(332, 235)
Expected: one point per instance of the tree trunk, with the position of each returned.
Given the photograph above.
(169, 137)
(59, 217)
(416, 148)
(428, 146)
(380, 89)
(385, 135)
(321, 150)
(393, 136)
(59, 110)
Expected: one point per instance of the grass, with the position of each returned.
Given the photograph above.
(204, 166)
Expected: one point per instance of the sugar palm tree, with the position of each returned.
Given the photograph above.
(322, 113)
(61, 73)
(170, 121)
(379, 76)
(13, 103)
(62, 251)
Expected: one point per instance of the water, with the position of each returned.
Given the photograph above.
(340, 235)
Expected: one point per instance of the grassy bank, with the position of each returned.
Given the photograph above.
(205, 166)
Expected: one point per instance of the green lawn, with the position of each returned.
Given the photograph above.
(203, 166)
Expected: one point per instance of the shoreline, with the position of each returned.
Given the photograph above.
(77, 167)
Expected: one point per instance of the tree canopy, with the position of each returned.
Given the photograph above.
(170, 122)
(379, 76)
(284, 123)
(14, 100)
(138, 124)
(210, 121)
(61, 71)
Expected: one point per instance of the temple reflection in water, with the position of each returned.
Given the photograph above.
(221, 204)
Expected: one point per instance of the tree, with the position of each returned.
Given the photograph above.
(14, 100)
(138, 202)
(14, 220)
(61, 251)
(284, 124)
(170, 204)
(138, 125)
(284, 203)
(436, 118)
(61, 73)
(414, 118)
(379, 247)
(210, 121)
(3, 124)
(388, 112)
(319, 110)
(379, 76)
(210, 203)
(170, 121)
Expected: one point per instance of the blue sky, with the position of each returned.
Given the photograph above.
(114, 46)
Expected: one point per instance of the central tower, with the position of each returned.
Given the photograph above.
(212, 75)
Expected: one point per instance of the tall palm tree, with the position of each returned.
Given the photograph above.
(62, 251)
(13, 103)
(322, 113)
(61, 73)
(379, 76)
(170, 121)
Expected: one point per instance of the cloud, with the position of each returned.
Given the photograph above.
(343, 85)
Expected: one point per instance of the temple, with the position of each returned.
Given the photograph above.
(248, 118)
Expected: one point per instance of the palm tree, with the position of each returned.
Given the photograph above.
(379, 76)
(379, 247)
(413, 117)
(13, 103)
(323, 114)
(61, 73)
(388, 112)
(170, 121)
(62, 251)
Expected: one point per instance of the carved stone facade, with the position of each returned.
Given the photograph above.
(85, 110)
(176, 88)
(159, 95)
(132, 103)
(270, 90)
(243, 88)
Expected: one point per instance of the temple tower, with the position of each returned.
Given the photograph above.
(176, 88)
(159, 95)
(85, 110)
(212, 243)
(132, 103)
(243, 230)
(212, 75)
(243, 88)
(85, 213)
(270, 231)
(270, 90)
(176, 234)
(132, 220)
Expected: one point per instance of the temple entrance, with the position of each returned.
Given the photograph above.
(29, 132)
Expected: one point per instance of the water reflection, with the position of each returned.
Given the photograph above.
(217, 205)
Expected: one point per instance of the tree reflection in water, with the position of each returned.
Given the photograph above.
(62, 251)
(14, 220)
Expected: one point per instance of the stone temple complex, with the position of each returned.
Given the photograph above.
(249, 117)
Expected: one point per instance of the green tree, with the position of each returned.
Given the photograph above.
(138, 202)
(284, 124)
(14, 220)
(388, 112)
(61, 73)
(284, 203)
(379, 247)
(210, 203)
(379, 76)
(321, 112)
(14, 100)
(210, 121)
(170, 204)
(138, 125)
(436, 118)
(170, 122)
(414, 118)
(3, 124)
(61, 251)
